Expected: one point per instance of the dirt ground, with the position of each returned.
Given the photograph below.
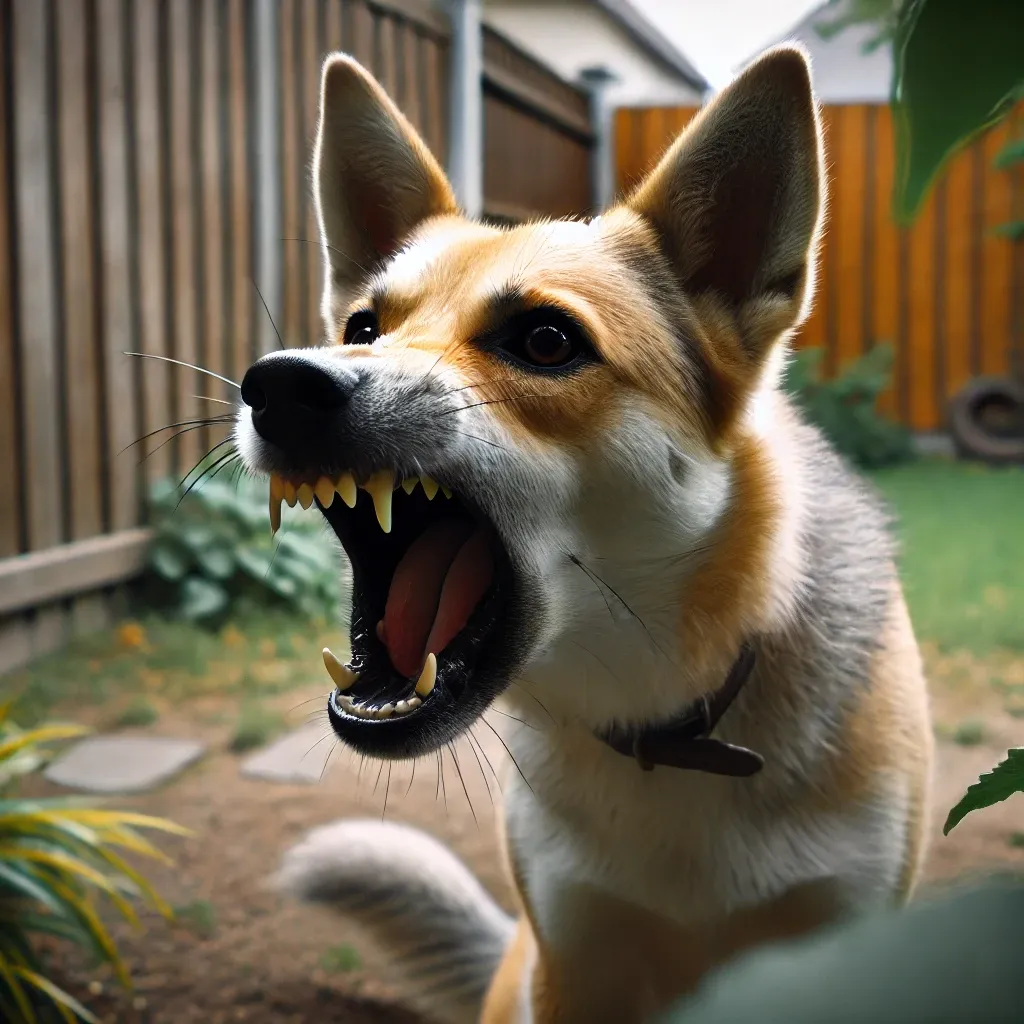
(241, 953)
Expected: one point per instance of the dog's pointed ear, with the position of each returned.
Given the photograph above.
(736, 201)
(375, 180)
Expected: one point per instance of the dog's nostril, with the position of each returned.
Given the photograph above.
(253, 395)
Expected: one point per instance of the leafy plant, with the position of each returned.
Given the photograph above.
(256, 725)
(845, 406)
(882, 14)
(56, 857)
(213, 553)
(992, 787)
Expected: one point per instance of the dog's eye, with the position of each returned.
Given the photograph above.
(362, 328)
(548, 345)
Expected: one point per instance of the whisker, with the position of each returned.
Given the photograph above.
(203, 422)
(458, 770)
(219, 401)
(280, 341)
(474, 743)
(202, 476)
(219, 444)
(493, 401)
(188, 366)
(509, 752)
(483, 440)
(186, 430)
(387, 789)
(412, 777)
(533, 696)
(327, 761)
(380, 772)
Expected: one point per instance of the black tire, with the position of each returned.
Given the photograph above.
(973, 438)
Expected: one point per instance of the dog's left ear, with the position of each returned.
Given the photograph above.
(375, 180)
(737, 199)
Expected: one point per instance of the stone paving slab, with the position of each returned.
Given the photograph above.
(122, 764)
(299, 756)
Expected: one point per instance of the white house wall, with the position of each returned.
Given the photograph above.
(570, 37)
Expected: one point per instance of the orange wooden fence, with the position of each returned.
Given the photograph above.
(946, 293)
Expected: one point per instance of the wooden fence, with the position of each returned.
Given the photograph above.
(947, 293)
(131, 183)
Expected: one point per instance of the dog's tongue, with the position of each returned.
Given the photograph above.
(437, 584)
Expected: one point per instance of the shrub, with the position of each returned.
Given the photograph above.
(56, 857)
(213, 554)
(845, 406)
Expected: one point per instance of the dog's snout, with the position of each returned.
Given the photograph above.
(293, 396)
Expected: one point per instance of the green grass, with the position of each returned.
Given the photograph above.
(340, 959)
(138, 711)
(961, 530)
(198, 916)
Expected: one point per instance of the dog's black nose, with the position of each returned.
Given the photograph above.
(294, 398)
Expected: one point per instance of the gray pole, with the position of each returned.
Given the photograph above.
(466, 150)
(267, 224)
(602, 156)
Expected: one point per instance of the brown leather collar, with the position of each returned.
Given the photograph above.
(685, 741)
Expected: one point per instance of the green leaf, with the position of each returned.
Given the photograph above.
(201, 599)
(168, 561)
(216, 562)
(956, 74)
(1013, 230)
(991, 788)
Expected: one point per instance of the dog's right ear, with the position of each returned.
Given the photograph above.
(375, 180)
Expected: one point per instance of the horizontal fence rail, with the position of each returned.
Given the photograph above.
(946, 293)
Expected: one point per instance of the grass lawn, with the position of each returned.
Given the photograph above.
(961, 531)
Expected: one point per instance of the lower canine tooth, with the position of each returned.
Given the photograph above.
(343, 676)
(324, 491)
(305, 495)
(380, 487)
(425, 683)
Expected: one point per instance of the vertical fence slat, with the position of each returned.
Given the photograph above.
(241, 215)
(117, 327)
(150, 171)
(387, 70)
(436, 92)
(312, 55)
(34, 212)
(334, 38)
(958, 278)
(289, 170)
(10, 467)
(997, 257)
(84, 435)
(212, 233)
(849, 141)
(885, 264)
(183, 298)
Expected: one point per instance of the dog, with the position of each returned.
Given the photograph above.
(562, 466)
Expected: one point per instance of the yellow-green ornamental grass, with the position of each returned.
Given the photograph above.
(57, 860)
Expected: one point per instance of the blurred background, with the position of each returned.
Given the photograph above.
(155, 199)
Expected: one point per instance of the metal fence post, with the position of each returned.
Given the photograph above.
(602, 154)
(466, 150)
(267, 207)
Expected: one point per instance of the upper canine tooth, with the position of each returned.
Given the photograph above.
(275, 514)
(409, 484)
(430, 487)
(380, 487)
(305, 495)
(346, 487)
(342, 675)
(324, 491)
(446, 491)
(289, 493)
(428, 676)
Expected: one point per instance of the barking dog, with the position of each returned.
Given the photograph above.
(557, 455)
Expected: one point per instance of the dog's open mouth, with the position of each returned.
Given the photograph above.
(429, 588)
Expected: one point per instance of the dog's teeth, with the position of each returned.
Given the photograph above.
(276, 494)
(290, 494)
(446, 491)
(409, 484)
(345, 701)
(414, 702)
(346, 487)
(380, 487)
(430, 487)
(305, 495)
(385, 712)
(342, 675)
(401, 707)
(324, 491)
(428, 676)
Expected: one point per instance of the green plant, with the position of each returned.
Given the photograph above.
(256, 725)
(992, 787)
(213, 554)
(56, 858)
(198, 916)
(969, 734)
(138, 711)
(844, 407)
(340, 960)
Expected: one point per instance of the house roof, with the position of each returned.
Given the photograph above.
(645, 35)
